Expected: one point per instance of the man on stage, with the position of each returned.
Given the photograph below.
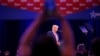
(54, 34)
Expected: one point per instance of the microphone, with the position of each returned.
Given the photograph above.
(59, 30)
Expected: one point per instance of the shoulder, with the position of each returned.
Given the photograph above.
(49, 32)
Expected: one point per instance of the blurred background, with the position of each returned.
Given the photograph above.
(16, 15)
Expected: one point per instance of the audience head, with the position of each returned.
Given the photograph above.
(96, 47)
(81, 47)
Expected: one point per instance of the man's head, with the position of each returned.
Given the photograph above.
(55, 28)
(96, 47)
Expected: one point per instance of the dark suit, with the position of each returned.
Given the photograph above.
(50, 34)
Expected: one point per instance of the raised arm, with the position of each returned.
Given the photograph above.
(68, 36)
(30, 32)
(68, 39)
(24, 47)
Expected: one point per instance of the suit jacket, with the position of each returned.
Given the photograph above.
(50, 34)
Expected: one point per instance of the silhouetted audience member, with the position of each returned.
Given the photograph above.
(96, 47)
(46, 46)
(81, 51)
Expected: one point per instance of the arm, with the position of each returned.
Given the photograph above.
(30, 32)
(67, 35)
(68, 39)
(24, 47)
